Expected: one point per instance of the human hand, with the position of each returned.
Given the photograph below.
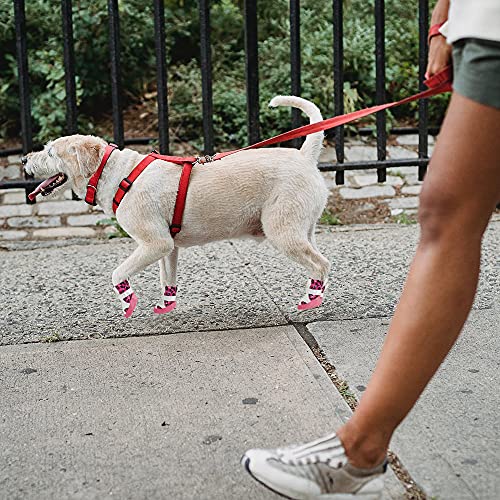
(439, 55)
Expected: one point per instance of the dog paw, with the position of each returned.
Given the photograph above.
(314, 295)
(316, 302)
(169, 306)
(132, 304)
(168, 301)
(127, 297)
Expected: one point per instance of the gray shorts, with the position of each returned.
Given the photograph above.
(476, 70)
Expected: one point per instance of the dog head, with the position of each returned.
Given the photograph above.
(68, 160)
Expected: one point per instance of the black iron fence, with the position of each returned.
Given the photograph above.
(252, 82)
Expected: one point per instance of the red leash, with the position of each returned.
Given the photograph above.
(439, 83)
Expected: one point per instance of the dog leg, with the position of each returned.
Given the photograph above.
(168, 280)
(301, 250)
(144, 255)
(315, 288)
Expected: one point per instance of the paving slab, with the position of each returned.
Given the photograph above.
(449, 442)
(369, 267)
(65, 291)
(157, 417)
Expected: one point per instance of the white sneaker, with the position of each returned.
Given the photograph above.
(315, 470)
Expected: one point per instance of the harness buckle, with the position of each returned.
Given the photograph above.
(125, 184)
(90, 196)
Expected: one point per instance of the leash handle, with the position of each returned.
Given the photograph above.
(444, 76)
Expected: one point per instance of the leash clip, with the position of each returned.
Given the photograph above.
(201, 160)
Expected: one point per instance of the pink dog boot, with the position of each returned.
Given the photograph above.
(314, 295)
(127, 297)
(169, 301)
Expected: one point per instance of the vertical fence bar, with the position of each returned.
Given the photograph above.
(116, 84)
(69, 66)
(380, 84)
(252, 70)
(423, 105)
(295, 62)
(23, 76)
(69, 70)
(338, 82)
(206, 77)
(161, 76)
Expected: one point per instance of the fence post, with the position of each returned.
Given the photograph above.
(338, 83)
(69, 70)
(295, 68)
(24, 91)
(423, 105)
(252, 70)
(161, 76)
(69, 66)
(206, 77)
(380, 84)
(116, 84)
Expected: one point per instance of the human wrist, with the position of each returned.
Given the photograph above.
(434, 31)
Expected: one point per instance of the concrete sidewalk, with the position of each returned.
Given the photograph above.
(167, 416)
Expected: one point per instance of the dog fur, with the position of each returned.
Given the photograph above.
(276, 193)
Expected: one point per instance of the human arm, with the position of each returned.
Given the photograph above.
(439, 50)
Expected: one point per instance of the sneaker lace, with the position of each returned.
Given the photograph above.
(326, 450)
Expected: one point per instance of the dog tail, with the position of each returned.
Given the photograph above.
(314, 142)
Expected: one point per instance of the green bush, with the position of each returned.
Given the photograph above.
(44, 38)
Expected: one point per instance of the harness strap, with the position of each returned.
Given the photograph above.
(180, 160)
(127, 182)
(180, 201)
(94, 180)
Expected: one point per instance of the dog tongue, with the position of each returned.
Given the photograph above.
(41, 186)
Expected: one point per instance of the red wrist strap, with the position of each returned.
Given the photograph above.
(434, 31)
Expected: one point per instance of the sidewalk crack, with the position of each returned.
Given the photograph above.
(412, 490)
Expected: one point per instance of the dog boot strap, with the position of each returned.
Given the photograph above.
(314, 289)
(169, 295)
(124, 292)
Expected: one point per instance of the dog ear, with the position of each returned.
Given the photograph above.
(88, 153)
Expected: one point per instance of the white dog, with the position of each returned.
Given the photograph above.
(276, 193)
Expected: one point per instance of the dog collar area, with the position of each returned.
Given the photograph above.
(94, 180)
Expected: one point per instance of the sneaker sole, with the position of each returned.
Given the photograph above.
(245, 461)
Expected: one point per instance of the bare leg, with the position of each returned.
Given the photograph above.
(168, 280)
(458, 197)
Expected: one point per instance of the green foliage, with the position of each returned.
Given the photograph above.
(119, 231)
(90, 17)
(328, 218)
(405, 219)
(53, 337)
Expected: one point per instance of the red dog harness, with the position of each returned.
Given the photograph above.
(439, 83)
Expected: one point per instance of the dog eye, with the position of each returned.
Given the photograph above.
(49, 152)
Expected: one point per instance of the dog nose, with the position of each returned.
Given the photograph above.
(24, 160)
